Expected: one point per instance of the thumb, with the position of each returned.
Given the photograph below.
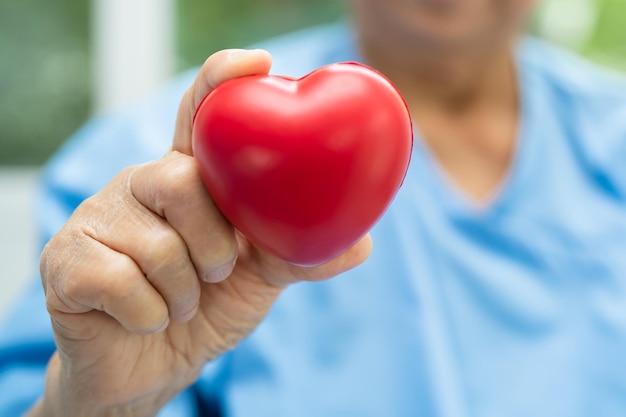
(219, 67)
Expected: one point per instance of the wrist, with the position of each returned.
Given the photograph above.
(64, 397)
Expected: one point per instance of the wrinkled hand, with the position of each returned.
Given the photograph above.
(147, 281)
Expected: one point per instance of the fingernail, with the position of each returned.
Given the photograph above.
(190, 315)
(163, 326)
(219, 274)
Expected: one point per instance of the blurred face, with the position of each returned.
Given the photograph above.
(439, 22)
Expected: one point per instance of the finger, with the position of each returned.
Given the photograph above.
(280, 273)
(173, 189)
(163, 258)
(219, 67)
(350, 259)
(153, 244)
(104, 280)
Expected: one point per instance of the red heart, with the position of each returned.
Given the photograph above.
(304, 168)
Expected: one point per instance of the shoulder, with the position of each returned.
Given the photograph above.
(599, 92)
(588, 101)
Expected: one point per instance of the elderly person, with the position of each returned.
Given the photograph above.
(496, 286)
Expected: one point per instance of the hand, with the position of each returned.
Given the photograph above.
(147, 282)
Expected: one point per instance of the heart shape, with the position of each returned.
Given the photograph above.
(304, 167)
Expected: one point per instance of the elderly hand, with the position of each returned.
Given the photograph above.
(147, 282)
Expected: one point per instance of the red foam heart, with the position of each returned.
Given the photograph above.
(304, 168)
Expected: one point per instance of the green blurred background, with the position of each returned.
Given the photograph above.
(45, 78)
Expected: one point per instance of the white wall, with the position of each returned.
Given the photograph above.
(133, 44)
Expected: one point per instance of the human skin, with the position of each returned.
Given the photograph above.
(452, 61)
(147, 282)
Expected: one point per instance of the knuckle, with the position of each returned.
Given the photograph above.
(72, 289)
(178, 181)
(165, 247)
(58, 257)
(94, 281)
(114, 283)
(45, 260)
(174, 265)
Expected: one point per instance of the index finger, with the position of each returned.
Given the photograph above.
(219, 67)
